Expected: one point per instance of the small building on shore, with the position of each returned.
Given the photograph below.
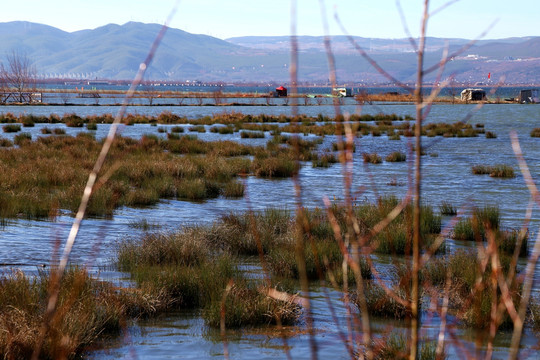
(528, 96)
(473, 95)
(342, 92)
(281, 91)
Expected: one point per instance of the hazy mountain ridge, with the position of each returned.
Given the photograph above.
(115, 51)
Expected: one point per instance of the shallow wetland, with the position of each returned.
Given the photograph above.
(448, 177)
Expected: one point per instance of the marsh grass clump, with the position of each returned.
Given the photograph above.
(277, 165)
(185, 248)
(222, 129)
(197, 128)
(373, 158)
(397, 236)
(252, 134)
(73, 120)
(481, 170)
(28, 121)
(396, 156)
(534, 313)
(498, 171)
(91, 126)
(502, 171)
(507, 241)
(173, 136)
(395, 347)
(324, 160)
(283, 263)
(7, 118)
(535, 132)
(475, 227)
(245, 305)
(11, 128)
(234, 189)
(59, 131)
(251, 233)
(88, 310)
(490, 135)
(22, 139)
(5, 142)
(381, 305)
(446, 208)
(177, 129)
(190, 274)
(471, 294)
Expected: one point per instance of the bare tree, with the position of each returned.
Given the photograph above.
(150, 93)
(18, 76)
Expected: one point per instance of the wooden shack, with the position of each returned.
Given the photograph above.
(281, 91)
(473, 95)
(528, 96)
(342, 92)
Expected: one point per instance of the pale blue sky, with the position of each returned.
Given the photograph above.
(228, 18)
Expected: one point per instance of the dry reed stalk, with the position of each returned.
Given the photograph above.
(533, 259)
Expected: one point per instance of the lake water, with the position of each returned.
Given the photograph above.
(446, 177)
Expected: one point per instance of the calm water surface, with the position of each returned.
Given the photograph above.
(446, 177)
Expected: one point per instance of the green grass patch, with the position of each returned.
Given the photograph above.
(252, 134)
(11, 128)
(373, 158)
(498, 171)
(446, 208)
(396, 156)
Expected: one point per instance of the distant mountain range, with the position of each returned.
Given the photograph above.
(115, 51)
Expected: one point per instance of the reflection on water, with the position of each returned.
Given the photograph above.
(446, 176)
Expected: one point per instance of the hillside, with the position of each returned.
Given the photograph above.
(115, 51)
